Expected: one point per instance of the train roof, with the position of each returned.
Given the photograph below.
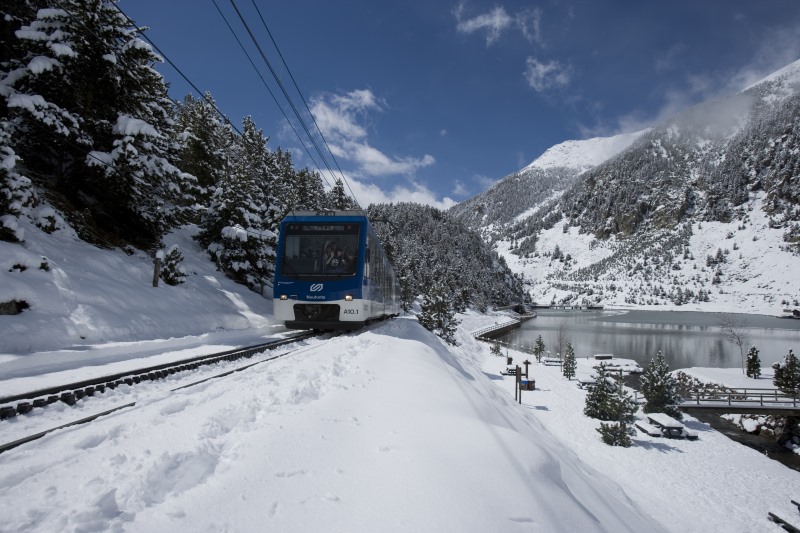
(295, 215)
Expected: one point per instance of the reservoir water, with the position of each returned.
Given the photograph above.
(686, 338)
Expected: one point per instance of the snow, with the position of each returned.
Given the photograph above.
(41, 64)
(586, 153)
(757, 273)
(387, 428)
(127, 125)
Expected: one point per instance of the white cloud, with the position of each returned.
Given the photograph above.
(459, 189)
(369, 193)
(485, 183)
(493, 23)
(343, 118)
(529, 23)
(543, 76)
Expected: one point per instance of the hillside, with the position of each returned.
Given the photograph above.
(701, 211)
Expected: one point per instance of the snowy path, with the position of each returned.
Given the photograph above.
(385, 430)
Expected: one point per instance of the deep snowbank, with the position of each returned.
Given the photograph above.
(92, 296)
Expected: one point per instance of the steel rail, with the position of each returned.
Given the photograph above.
(71, 392)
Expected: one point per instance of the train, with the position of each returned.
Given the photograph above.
(332, 273)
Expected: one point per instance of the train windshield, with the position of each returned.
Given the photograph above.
(323, 249)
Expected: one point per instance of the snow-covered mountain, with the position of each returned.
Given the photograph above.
(583, 155)
(703, 207)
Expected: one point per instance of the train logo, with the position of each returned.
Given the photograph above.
(316, 287)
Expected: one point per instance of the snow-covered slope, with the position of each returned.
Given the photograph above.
(585, 154)
(87, 295)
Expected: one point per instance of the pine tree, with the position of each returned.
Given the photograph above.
(659, 388)
(597, 401)
(89, 114)
(569, 364)
(237, 228)
(787, 374)
(620, 408)
(438, 314)
(538, 349)
(16, 191)
(618, 434)
(204, 145)
(495, 350)
(339, 199)
(608, 401)
(172, 273)
(753, 363)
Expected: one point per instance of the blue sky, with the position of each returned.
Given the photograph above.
(433, 101)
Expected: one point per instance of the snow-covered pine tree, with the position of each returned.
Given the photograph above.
(237, 227)
(204, 144)
(660, 388)
(607, 400)
(569, 364)
(787, 374)
(753, 363)
(621, 409)
(538, 349)
(438, 315)
(339, 199)
(172, 272)
(89, 113)
(597, 400)
(16, 191)
(307, 192)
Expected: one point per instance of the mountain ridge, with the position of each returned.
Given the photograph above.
(731, 165)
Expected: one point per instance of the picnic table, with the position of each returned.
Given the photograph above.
(663, 425)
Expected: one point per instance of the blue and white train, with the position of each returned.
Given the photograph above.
(332, 273)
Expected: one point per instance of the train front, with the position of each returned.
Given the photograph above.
(319, 271)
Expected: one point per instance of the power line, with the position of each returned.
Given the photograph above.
(285, 93)
(178, 70)
(288, 70)
(280, 85)
(266, 86)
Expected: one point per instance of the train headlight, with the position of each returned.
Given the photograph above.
(348, 298)
(284, 297)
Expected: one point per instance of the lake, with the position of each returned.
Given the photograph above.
(686, 338)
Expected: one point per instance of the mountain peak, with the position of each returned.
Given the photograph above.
(585, 154)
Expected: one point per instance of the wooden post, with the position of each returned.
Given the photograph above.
(526, 363)
(519, 382)
(156, 271)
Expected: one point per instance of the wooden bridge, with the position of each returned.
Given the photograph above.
(741, 401)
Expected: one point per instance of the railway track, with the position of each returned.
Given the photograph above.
(70, 393)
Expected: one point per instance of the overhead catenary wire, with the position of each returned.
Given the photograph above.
(281, 86)
(141, 32)
(202, 94)
(297, 88)
(285, 93)
(266, 86)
